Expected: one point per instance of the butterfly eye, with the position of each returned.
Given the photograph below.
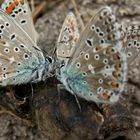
(49, 59)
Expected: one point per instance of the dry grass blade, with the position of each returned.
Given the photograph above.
(38, 9)
(78, 14)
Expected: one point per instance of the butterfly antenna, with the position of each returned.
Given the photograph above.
(54, 50)
(77, 101)
(42, 50)
(78, 14)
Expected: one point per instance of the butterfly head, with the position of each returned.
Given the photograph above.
(48, 67)
(51, 65)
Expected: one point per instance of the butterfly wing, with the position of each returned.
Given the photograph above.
(68, 37)
(98, 74)
(97, 69)
(19, 10)
(101, 29)
(20, 58)
(132, 42)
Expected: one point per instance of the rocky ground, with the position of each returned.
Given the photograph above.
(50, 116)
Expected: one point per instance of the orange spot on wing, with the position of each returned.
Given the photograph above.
(98, 47)
(71, 37)
(114, 84)
(72, 24)
(116, 57)
(117, 66)
(116, 74)
(105, 95)
(109, 51)
(12, 6)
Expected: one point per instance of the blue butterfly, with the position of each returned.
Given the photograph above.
(94, 64)
(21, 60)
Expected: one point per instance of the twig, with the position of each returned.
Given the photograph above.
(78, 14)
(32, 5)
(3, 110)
(38, 9)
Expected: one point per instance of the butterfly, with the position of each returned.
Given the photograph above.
(19, 10)
(131, 42)
(21, 60)
(94, 63)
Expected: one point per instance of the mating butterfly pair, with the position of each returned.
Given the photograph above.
(94, 64)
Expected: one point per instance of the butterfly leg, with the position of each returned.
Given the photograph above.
(54, 51)
(61, 87)
(39, 76)
(77, 101)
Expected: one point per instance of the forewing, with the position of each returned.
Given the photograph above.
(68, 37)
(19, 10)
(102, 28)
(19, 55)
(131, 43)
(98, 61)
